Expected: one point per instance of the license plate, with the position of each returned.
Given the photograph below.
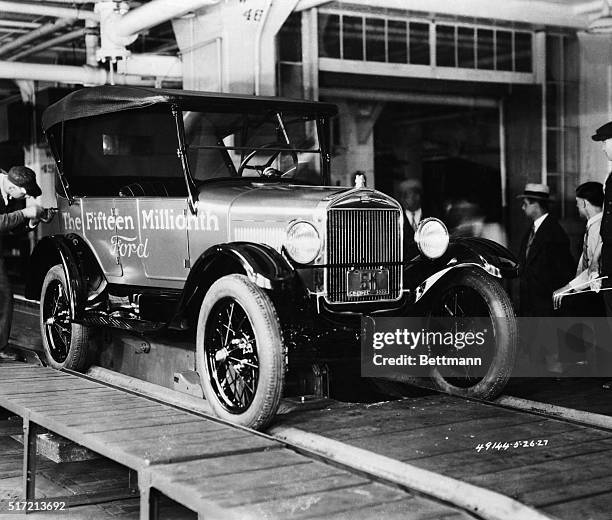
(367, 282)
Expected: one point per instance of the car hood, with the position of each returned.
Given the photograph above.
(261, 212)
(269, 201)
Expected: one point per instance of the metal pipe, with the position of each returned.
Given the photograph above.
(92, 41)
(408, 97)
(37, 33)
(155, 12)
(19, 23)
(46, 10)
(68, 74)
(72, 35)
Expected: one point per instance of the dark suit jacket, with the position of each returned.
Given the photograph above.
(548, 267)
(9, 220)
(606, 234)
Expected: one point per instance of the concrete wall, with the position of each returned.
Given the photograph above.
(230, 47)
(595, 107)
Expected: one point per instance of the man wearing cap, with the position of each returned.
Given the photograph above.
(589, 201)
(18, 183)
(604, 135)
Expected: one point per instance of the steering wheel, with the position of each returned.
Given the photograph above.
(264, 169)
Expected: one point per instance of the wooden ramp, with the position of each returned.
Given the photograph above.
(567, 474)
(216, 470)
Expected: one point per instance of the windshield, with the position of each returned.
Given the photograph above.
(271, 145)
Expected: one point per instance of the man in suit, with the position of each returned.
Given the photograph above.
(604, 135)
(545, 265)
(18, 183)
(410, 191)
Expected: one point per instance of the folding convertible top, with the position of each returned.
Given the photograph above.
(95, 101)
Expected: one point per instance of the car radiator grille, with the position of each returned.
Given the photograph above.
(362, 238)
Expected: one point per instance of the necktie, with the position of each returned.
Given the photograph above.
(530, 240)
(585, 251)
(412, 218)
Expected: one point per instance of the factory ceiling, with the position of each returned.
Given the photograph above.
(39, 37)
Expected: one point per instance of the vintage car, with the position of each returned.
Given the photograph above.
(213, 213)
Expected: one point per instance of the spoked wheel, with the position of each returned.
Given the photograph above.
(65, 342)
(475, 302)
(239, 351)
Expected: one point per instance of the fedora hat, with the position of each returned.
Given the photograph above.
(535, 191)
(603, 133)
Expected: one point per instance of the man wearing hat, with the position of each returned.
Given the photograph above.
(604, 135)
(545, 261)
(589, 201)
(18, 183)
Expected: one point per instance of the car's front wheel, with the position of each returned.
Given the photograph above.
(471, 296)
(239, 352)
(66, 343)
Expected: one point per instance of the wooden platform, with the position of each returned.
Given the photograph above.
(570, 477)
(216, 470)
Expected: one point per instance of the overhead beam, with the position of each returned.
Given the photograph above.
(66, 74)
(42, 31)
(154, 13)
(46, 10)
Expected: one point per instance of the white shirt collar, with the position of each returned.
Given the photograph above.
(4, 194)
(594, 218)
(538, 221)
(416, 214)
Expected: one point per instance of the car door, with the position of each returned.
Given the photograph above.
(162, 246)
(98, 229)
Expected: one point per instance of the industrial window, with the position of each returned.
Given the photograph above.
(376, 39)
(289, 63)
(393, 40)
(562, 141)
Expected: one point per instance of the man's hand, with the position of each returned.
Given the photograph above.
(559, 294)
(33, 212)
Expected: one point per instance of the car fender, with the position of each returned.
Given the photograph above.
(478, 253)
(68, 252)
(262, 264)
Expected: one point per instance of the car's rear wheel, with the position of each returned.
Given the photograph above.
(239, 352)
(65, 342)
(475, 300)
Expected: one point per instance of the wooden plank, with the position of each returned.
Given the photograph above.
(232, 465)
(475, 463)
(114, 403)
(176, 451)
(580, 490)
(321, 504)
(80, 429)
(415, 508)
(105, 413)
(554, 474)
(75, 396)
(43, 387)
(180, 437)
(596, 507)
(285, 490)
(202, 427)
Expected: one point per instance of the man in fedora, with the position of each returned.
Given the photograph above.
(17, 184)
(545, 261)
